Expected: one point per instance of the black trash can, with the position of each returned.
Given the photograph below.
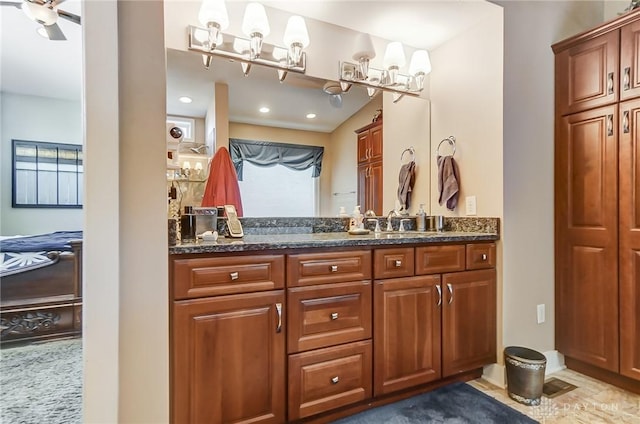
(525, 374)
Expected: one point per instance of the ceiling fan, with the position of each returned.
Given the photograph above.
(45, 12)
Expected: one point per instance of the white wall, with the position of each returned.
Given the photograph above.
(36, 119)
(531, 27)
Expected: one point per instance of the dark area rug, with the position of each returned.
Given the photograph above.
(457, 403)
(41, 383)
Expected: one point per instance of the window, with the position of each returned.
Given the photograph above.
(187, 125)
(46, 175)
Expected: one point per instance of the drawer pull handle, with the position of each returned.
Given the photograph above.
(279, 311)
(334, 268)
(335, 380)
(627, 78)
(398, 264)
(334, 316)
(610, 83)
(234, 275)
(450, 288)
(439, 294)
(484, 256)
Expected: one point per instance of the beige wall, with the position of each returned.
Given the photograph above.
(344, 183)
(283, 135)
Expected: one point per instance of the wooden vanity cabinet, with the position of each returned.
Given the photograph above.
(370, 167)
(228, 352)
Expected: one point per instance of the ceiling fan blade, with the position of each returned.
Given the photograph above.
(69, 16)
(54, 32)
(11, 3)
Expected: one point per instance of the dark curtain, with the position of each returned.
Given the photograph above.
(266, 153)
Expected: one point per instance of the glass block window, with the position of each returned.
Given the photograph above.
(46, 175)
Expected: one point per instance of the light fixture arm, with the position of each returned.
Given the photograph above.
(271, 55)
(380, 79)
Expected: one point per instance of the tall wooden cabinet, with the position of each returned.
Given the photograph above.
(597, 202)
(370, 167)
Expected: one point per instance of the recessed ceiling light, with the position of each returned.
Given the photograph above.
(311, 115)
(185, 99)
(42, 32)
(264, 109)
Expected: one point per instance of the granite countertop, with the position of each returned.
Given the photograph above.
(253, 242)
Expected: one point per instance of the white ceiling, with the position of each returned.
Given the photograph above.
(33, 65)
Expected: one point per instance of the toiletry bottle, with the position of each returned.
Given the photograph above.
(421, 218)
(188, 225)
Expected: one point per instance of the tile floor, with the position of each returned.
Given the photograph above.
(592, 402)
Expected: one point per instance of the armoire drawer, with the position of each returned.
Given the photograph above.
(326, 315)
(213, 276)
(481, 255)
(325, 379)
(393, 263)
(439, 259)
(306, 269)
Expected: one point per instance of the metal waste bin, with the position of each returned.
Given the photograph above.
(525, 374)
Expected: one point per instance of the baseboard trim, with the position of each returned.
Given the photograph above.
(555, 362)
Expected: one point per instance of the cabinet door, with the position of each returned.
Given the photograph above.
(375, 188)
(587, 74)
(363, 171)
(586, 214)
(629, 192)
(363, 147)
(229, 359)
(468, 320)
(630, 61)
(406, 333)
(375, 143)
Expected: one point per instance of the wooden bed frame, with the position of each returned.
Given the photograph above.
(43, 303)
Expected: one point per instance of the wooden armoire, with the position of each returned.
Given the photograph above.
(370, 167)
(597, 201)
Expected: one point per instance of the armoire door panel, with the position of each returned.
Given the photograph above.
(589, 322)
(630, 61)
(587, 74)
(589, 181)
(629, 237)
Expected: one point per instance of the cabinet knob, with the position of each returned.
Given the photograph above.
(398, 264)
(484, 256)
(234, 275)
(335, 380)
(334, 316)
(334, 268)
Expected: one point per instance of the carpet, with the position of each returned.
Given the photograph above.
(457, 403)
(42, 383)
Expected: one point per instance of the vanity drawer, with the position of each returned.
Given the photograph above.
(327, 315)
(329, 378)
(439, 259)
(213, 276)
(393, 263)
(481, 255)
(307, 269)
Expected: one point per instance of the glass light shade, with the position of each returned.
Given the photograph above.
(394, 55)
(420, 63)
(214, 11)
(186, 165)
(39, 13)
(198, 166)
(255, 20)
(296, 32)
(363, 47)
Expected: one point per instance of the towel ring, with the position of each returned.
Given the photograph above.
(452, 142)
(411, 151)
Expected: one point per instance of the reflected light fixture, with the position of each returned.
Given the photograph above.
(264, 109)
(311, 115)
(185, 99)
(209, 41)
(389, 78)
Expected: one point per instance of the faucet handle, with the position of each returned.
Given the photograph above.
(402, 221)
(377, 229)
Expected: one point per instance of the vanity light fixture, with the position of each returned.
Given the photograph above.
(209, 41)
(390, 78)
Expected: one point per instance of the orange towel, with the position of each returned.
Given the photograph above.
(222, 185)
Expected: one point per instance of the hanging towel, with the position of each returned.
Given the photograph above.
(405, 184)
(448, 185)
(222, 185)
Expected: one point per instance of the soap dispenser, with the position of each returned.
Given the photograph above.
(421, 218)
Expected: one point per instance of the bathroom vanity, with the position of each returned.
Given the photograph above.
(312, 327)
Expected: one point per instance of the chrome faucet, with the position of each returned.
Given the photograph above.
(391, 214)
